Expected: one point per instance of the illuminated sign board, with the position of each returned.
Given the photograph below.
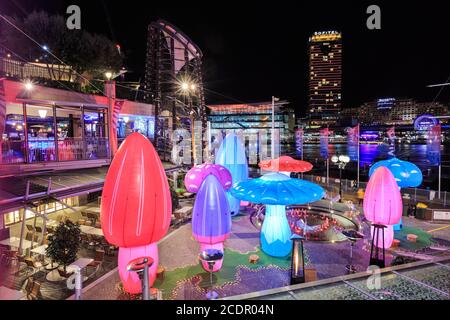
(319, 36)
(425, 122)
(385, 103)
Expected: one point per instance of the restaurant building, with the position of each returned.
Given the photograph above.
(56, 146)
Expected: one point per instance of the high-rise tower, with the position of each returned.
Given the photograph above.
(325, 78)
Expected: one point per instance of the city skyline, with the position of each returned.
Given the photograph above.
(392, 62)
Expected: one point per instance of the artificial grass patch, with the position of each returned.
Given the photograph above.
(232, 260)
(423, 241)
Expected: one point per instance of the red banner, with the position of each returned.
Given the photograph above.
(2, 115)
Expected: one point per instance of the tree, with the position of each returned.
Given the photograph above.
(83, 51)
(64, 243)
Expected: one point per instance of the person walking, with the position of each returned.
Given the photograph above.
(360, 196)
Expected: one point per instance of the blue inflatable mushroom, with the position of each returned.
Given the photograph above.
(231, 155)
(276, 190)
(406, 174)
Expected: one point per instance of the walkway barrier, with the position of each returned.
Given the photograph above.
(414, 194)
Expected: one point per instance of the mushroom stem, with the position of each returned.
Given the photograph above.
(218, 263)
(276, 232)
(130, 280)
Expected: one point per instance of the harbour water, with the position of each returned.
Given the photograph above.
(371, 153)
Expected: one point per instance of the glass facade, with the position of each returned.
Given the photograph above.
(424, 280)
(46, 133)
(128, 124)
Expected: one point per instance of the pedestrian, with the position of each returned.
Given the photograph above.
(360, 196)
(409, 211)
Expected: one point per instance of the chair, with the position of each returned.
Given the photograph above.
(98, 260)
(84, 214)
(50, 230)
(32, 265)
(30, 228)
(35, 293)
(84, 239)
(38, 229)
(29, 237)
(63, 274)
(29, 283)
(3, 250)
(12, 256)
(92, 216)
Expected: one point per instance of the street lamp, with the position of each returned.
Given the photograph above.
(187, 88)
(341, 161)
(28, 85)
(108, 75)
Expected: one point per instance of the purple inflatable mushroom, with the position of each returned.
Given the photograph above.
(211, 217)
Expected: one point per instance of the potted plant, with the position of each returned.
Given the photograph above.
(64, 243)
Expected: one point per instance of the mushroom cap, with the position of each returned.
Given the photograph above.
(211, 219)
(382, 200)
(136, 204)
(195, 176)
(406, 173)
(277, 189)
(231, 155)
(285, 164)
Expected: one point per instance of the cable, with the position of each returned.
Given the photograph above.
(440, 90)
(61, 83)
(81, 76)
(53, 55)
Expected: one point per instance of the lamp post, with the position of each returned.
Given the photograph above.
(187, 88)
(297, 260)
(341, 161)
(109, 96)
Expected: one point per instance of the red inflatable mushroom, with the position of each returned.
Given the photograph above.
(136, 204)
(285, 164)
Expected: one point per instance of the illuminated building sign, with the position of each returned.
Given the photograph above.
(385, 103)
(320, 36)
(425, 122)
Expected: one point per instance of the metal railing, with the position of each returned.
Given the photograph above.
(68, 149)
(13, 68)
(349, 186)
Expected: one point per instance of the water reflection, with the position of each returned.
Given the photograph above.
(371, 153)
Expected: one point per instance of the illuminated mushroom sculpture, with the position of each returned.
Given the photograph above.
(211, 218)
(286, 165)
(276, 190)
(136, 206)
(383, 207)
(231, 155)
(406, 174)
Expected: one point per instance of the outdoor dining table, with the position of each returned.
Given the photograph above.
(91, 230)
(14, 242)
(93, 210)
(10, 294)
(40, 250)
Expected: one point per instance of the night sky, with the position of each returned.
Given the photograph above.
(254, 50)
